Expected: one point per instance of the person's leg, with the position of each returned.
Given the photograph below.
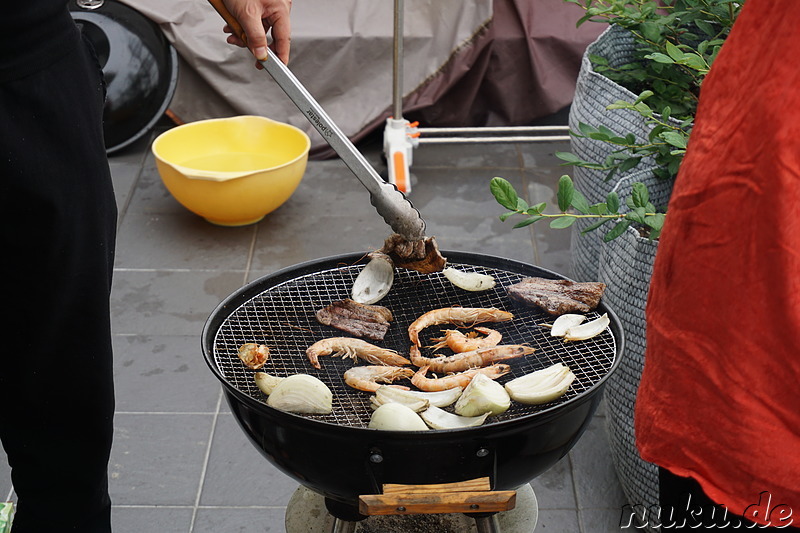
(684, 506)
(56, 376)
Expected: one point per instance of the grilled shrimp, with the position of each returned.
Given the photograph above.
(367, 378)
(472, 359)
(253, 355)
(466, 342)
(460, 316)
(461, 379)
(354, 348)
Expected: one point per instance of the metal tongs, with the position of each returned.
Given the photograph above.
(389, 202)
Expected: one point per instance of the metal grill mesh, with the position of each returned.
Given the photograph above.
(283, 318)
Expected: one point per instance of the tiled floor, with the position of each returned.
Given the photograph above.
(180, 463)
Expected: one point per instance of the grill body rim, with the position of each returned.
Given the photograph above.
(339, 462)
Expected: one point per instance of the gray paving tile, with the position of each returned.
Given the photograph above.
(239, 520)
(596, 483)
(163, 373)
(168, 302)
(157, 459)
(542, 154)
(554, 488)
(239, 475)
(181, 241)
(466, 155)
(558, 521)
(151, 196)
(151, 518)
(605, 521)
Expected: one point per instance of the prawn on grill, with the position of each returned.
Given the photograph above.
(461, 379)
(354, 349)
(369, 378)
(466, 342)
(459, 316)
(466, 360)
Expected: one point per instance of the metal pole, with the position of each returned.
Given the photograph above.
(397, 90)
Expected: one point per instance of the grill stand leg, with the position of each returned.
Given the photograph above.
(342, 526)
(486, 523)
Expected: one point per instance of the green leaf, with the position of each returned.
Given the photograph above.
(644, 96)
(636, 215)
(595, 226)
(566, 191)
(568, 157)
(651, 31)
(629, 163)
(522, 205)
(678, 140)
(617, 230)
(562, 222)
(507, 215)
(504, 193)
(537, 209)
(705, 27)
(658, 57)
(579, 202)
(639, 194)
(655, 222)
(674, 52)
(528, 221)
(612, 202)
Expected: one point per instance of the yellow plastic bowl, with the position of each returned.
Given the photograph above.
(232, 171)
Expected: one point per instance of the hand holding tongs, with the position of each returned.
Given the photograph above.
(390, 203)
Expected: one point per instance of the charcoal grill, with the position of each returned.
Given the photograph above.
(337, 455)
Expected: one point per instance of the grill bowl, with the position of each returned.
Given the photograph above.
(337, 455)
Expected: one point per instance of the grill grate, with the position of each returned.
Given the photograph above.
(283, 318)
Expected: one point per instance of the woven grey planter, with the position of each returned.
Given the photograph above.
(593, 93)
(626, 265)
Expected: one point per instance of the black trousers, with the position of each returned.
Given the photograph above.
(57, 239)
(685, 507)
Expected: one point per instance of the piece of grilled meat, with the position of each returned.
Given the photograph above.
(557, 296)
(361, 320)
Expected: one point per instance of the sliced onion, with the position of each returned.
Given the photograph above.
(587, 330)
(267, 382)
(301, 393)
(483, 395)
(386, 394)
(440, 419)
(416, 400)
(375, 280)
(396, 417)
(541, 386)
(469, 281)
(564, 322)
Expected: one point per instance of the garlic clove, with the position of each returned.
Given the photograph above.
(483, 395)
(438, 418)
(266, 382)
(301, 393)
(394, 416)
(253, 355)
(564, 322)
(587, 330)
(469, 281)
(542, 386)
(375, 279)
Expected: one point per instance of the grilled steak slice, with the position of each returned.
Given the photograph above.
(557, 296)
(361, 320)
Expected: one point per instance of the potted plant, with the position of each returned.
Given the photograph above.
(631, 120)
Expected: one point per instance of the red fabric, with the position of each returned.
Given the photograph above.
(720, 394)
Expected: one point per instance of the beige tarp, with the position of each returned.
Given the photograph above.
(477, 62)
